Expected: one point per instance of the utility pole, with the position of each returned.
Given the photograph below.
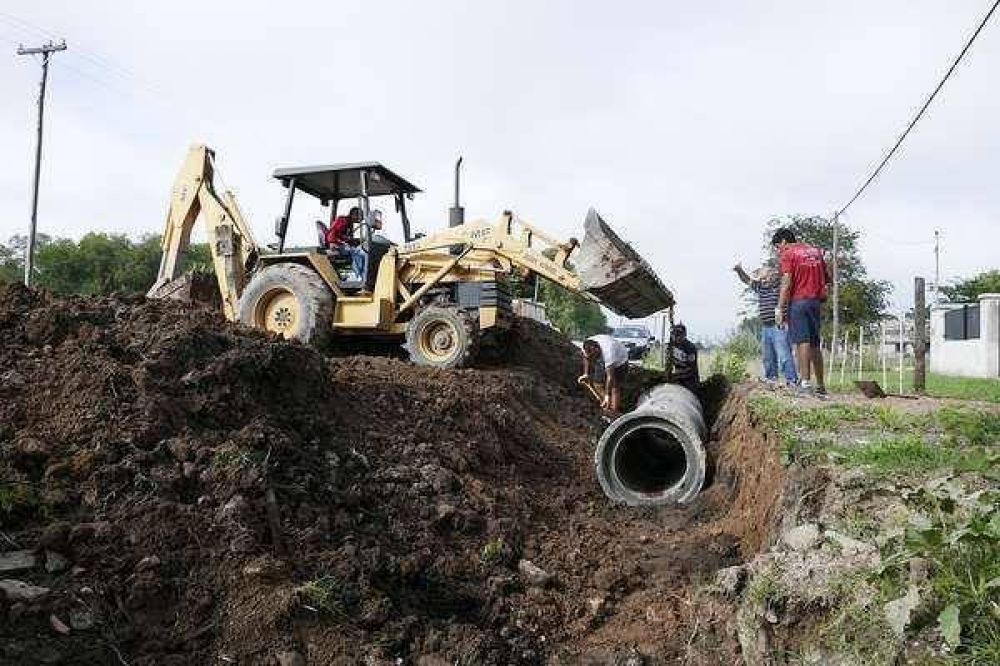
(836, 282)
(937, 267)
(919, 336)
(46, 50)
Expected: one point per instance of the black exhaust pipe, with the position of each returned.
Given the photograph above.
(456, 214)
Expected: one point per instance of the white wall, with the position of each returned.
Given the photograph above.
(968, 358)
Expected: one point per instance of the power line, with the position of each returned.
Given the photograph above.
(91, 59)
(920, 113)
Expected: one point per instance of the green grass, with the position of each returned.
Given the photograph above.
(891, 441)
(938, 386)
(961, 541)
(492, 552)
(965, 388)
(908, 454)
(323, 594)
(962, 547)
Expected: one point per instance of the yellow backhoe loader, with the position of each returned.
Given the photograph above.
(440, 294)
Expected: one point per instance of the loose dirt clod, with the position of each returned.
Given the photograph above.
(219, 493)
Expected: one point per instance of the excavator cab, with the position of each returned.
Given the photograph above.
(360, 182)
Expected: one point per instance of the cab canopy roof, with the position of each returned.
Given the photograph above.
(343, 181)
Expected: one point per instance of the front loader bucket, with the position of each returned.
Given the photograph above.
(615, 274)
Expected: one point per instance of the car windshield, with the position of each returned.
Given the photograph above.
(631, 332)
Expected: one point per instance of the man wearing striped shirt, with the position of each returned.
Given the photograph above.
(777, 352)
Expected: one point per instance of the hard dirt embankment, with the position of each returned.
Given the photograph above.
(174, 490)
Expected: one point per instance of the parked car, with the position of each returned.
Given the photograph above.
(637, 339)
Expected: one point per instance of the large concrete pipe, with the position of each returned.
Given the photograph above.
(654, 454)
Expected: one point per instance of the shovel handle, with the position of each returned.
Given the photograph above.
(593, 391)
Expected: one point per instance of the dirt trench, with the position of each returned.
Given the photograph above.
(201, 494)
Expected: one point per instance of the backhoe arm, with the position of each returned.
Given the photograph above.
(229, 237)
(529, 248)
(605, 268)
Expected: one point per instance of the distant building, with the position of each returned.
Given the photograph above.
(965, 338)
(894, 337)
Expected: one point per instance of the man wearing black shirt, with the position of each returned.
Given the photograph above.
(684, 370)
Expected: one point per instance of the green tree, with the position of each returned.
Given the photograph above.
(97, 264)
(969, 289)
(575, 315)
(862, 299)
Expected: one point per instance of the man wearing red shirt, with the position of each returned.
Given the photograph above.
(804, 276)
(339, 238)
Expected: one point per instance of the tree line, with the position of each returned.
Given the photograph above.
(98, 264)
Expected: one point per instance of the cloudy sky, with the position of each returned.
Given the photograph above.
(687, 125)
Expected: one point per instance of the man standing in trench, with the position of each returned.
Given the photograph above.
(804, 276)
(684, 360)
(615, 358)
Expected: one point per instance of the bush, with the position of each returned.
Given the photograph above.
(731, 358)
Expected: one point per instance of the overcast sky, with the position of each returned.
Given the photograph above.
(687, 125)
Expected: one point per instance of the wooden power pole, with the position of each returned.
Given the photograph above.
(46, 50)
(836, 286)
(919, 336)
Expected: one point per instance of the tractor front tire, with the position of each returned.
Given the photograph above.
(290, 300)
(442, 337)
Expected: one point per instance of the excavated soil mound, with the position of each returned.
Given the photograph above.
(197, 494)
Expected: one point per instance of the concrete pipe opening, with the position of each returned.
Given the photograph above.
(654, 454)
(649, 459)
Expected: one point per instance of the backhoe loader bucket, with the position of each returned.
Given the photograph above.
(196, 287)
(615, 274)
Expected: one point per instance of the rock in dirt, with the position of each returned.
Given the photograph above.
(898, 611)
(533, 574)
(731, 580)
(17, 590)
(58, 626)
(597, 604)
(147, 563)
(919, 570)
(17, 560)
(803, 537)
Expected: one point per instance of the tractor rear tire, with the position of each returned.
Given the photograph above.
(442, 337)
(290, 300)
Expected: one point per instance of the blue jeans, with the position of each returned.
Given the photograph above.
(358, 259)
(777, 354)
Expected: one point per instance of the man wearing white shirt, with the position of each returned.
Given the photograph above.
(615, 357)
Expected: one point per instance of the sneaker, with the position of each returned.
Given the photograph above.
(803, 390)
(820, 391)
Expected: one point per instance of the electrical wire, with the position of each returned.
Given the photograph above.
(90, 64)
(920, 113)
